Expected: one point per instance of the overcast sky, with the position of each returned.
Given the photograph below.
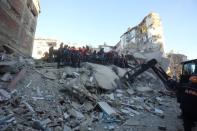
(97, 21)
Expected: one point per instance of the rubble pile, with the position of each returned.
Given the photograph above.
(37, 96)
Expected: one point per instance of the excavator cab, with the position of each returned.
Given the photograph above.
(189, 72)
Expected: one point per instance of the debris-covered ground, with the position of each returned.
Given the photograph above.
(38, 96)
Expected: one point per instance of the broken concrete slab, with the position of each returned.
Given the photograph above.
(119, 71)
(104, 76)
(107, 108)
(38, 125)
(75, 87)
(87, 106)
(75, 113)
(6, 119)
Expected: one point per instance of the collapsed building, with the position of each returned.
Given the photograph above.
(18, 24)
(175, 64)
(145, 41)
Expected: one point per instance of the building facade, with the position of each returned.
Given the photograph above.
(18, 20)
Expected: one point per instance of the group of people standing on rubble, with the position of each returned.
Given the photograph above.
(71, 56)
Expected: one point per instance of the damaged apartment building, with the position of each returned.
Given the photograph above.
(18, 24)
(145, 41)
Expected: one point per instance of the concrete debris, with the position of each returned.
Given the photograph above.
(18, 77)
(90, 98)
(104, 76)
(131, 122)
(29, 107)
(6, 119)
(66, 128)
(6, 77)
(130, 91)
(76, 113)
(66, 116)
(27, 86)
(111, 96)
(45, 122)
(38, 125)
(37, 98)
(144, 89)
(88, 106)
(158, 111)
(7, 63)
(107, 108)
(4, 95)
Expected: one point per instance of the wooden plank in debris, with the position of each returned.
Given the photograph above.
(107, 108)
(18, 77)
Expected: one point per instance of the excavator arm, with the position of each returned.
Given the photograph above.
(152, 64)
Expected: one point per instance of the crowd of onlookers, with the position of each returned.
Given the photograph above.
(71, 56)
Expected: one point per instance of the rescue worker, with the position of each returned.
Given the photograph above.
(94, 56)
(51, 52)
(101, 56)
(66, 58)
(60, 55)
